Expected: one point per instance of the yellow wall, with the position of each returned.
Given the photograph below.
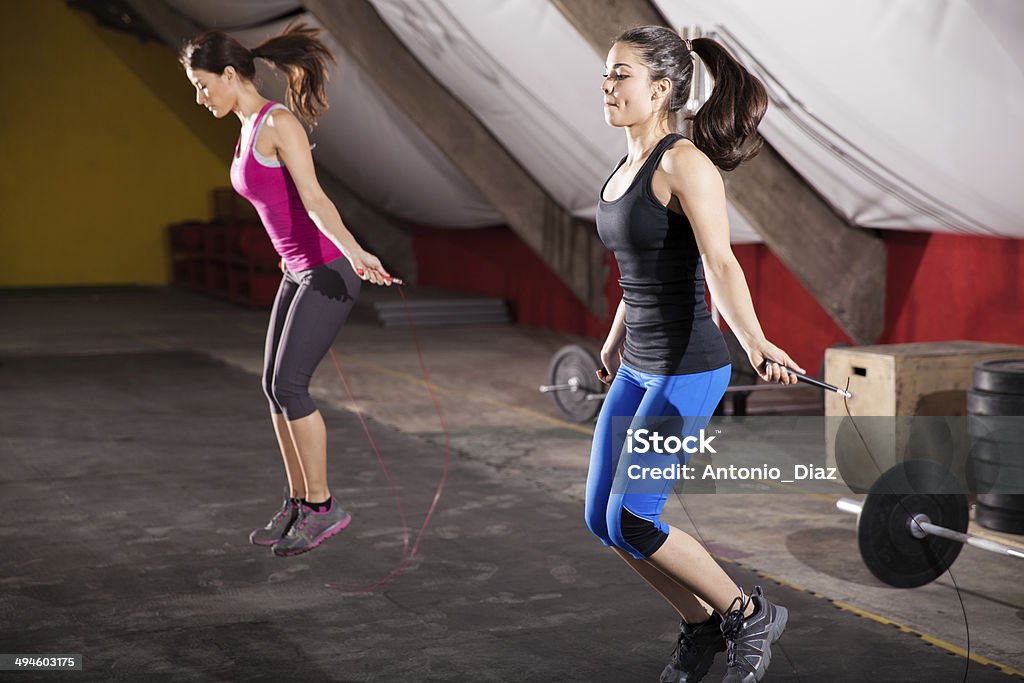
(101, 147)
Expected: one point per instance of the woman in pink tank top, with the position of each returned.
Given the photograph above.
(323, 263)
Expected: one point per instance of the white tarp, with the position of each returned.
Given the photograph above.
(927, 97)
(532, 80)
(915, 108)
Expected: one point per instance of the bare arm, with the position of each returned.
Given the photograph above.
(292, 147)
(613, 344)
(617, 333)
(698, 186)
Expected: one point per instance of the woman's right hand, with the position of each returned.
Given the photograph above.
(368, 267)
(611, 358)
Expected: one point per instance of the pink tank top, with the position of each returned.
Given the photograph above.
(266, 183)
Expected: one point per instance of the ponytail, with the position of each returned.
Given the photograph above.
(725, 127)
(304, 59)
(298, 52)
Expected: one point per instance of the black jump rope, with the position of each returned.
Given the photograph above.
(847, 395)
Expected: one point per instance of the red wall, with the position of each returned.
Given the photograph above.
(938, 287)
(495, 262)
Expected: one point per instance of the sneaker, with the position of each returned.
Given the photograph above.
(279, 524)
(695, 651)
(748, 640)
(311, 529)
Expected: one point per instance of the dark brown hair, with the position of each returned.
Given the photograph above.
(725, 127)
(298, 52)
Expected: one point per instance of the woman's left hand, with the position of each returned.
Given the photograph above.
(368, 267)
(778, 361)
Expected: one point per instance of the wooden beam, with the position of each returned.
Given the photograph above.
(842, 266)
(600, 22)
(383, 235)
(569, 246)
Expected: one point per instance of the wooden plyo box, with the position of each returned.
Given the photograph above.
(929, 378)
(901, 381)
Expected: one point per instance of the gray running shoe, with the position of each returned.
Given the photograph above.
(695, 651)
(279, 524)
(748, 641)
(311, 529)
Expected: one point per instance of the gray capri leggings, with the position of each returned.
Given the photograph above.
(310, 308)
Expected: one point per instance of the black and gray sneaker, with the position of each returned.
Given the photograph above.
(748, 640)
(279, 524)
(311, 529)
(695, 651)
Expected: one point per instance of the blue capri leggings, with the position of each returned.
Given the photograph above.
(310, 308)
(631, 520)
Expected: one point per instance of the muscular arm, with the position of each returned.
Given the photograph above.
(617, 334)
(698, 186)
(292, 146)
(696, 183)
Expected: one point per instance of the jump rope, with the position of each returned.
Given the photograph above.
(408, 554)
(845, 393)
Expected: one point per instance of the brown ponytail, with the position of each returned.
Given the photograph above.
(725, 127)
(298, 52)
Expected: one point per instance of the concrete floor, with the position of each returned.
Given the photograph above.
(137, 455)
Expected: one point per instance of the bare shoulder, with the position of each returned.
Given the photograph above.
(690, 175)
(285, 126)
(684, 163)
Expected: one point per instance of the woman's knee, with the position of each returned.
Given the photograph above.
(638, 536)
(268, 391)
(292, 396)
(594, 519)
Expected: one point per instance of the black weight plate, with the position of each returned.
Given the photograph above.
(1001, 478)
(1011, 502)
(999, 519)
(1001, 428)
(886, 545)
(1000, 376)
(576, 361)
(993, 451)
(984, 403)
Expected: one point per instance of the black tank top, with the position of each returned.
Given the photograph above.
(669, 330)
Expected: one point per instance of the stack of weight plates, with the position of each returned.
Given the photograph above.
(996, 417)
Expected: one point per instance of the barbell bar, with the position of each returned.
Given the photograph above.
(919, 525)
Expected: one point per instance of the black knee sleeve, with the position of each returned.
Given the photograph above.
(640, 533)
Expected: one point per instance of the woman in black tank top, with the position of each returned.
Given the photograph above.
(663, 213)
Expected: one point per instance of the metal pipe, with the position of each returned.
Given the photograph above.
(855, 507)
(969, 539)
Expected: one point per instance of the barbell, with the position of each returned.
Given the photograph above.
(578, 393)
(912, 525)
